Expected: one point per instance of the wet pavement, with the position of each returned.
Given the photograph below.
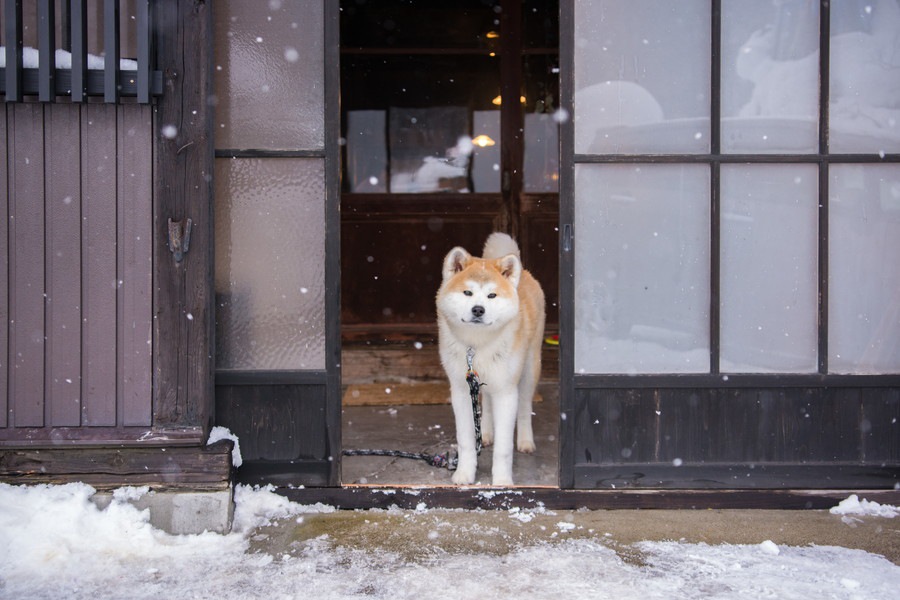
(417, 534)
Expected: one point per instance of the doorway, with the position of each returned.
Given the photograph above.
(449, 127)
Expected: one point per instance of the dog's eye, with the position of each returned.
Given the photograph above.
(492, 295)
(468, 292)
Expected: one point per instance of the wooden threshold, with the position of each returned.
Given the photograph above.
(489, 498)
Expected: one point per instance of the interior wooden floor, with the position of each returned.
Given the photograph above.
(430, 428)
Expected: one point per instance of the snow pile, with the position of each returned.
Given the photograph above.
(218, 433)
(853, 506)
(55, 543)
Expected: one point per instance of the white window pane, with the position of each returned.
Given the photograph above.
(769, 271)
(367, 155)
(642, 268)
(486, 151)
(770, 76)
(865, 77)
(642, 76)
(270, 257)
(864, 285)
(541, 170)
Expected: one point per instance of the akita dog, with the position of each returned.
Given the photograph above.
(494, 307)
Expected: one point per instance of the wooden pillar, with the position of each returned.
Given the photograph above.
(183, 149)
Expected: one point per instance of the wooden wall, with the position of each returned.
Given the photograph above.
(75, 266)
(754, 437)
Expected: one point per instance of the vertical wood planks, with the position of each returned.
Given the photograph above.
(135, 250)
(4, 272)
(63, 205)
(76, 266)
(99, 274)
(26, 268)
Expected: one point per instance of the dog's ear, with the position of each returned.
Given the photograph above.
(511, 268)
(455, 261)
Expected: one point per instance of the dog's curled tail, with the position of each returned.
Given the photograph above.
(499, 245)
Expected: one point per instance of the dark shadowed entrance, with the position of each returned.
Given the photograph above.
(449, 123)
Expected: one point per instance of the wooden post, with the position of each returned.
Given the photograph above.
(183, 354)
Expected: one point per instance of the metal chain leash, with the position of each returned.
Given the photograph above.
(444, 460)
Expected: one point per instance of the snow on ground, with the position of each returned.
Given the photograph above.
(54, 543)
(853, 506)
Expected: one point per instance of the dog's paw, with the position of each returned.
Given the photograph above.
(463, 476)
(502, 480)
(526, 446)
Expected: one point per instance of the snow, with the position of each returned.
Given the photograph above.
(223, 433)
(853, 506)
(55, 543)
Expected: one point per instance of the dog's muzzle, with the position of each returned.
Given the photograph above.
(477, 314)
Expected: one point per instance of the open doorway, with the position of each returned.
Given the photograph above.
(449, 121)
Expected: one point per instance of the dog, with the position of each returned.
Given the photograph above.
(494, 307)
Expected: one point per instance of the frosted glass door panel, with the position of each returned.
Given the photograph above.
(865, 77)
(769, 269)
(270, 264)
(770, 76)
(642, 76)
(269, 74)
(864, 285)
(642, 268)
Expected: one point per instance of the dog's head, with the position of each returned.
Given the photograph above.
(479, 292)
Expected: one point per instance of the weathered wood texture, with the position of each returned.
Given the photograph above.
(282, 430)
(77, 192)
(685, 434)
(479, 498)
(205, 468)
(183, 152)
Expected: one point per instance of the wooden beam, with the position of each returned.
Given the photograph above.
(486, 498)
(203, 468)
(111, 47)
(12, 16)
(47, 51)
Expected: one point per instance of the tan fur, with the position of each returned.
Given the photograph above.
(507, 343)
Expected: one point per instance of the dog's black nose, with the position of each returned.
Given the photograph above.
(478, 311)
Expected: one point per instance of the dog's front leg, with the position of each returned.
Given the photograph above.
(505, 409)
(465, 434)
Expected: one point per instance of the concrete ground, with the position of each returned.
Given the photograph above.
(418, 534)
